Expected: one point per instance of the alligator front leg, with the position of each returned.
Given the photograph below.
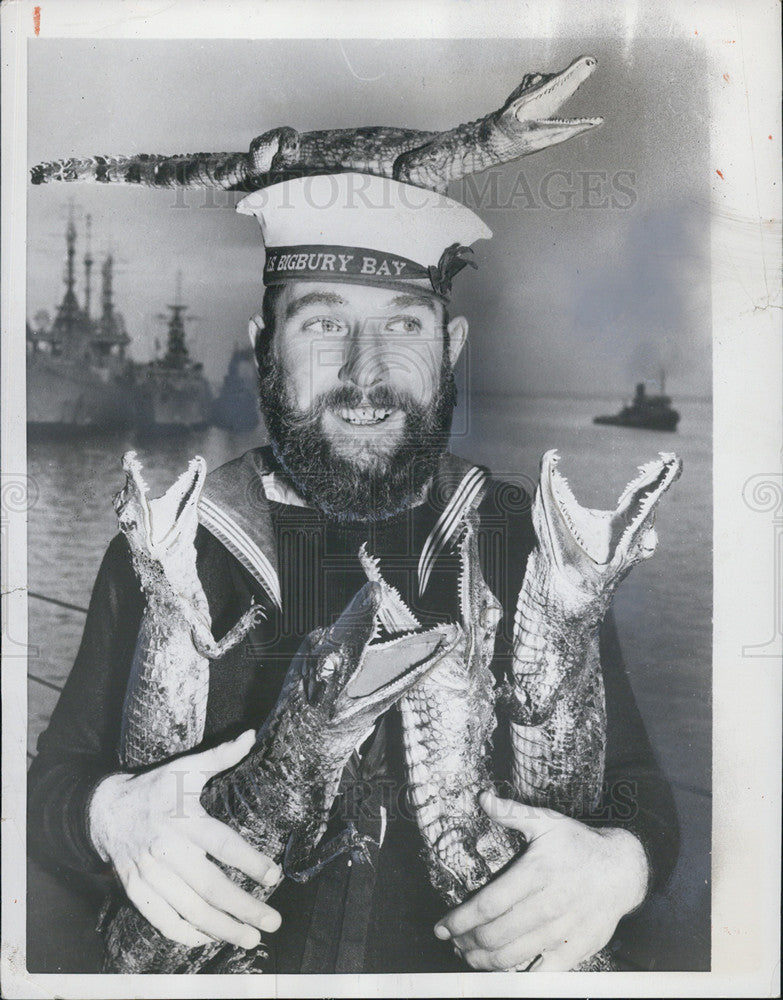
(205, 643)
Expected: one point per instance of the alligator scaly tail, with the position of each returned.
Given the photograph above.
(425, 159)
(166, 699)
(279, 797)
(556, 696)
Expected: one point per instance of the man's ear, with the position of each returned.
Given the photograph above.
(254, 327)
(458, 334)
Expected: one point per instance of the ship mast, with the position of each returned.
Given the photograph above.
(176, 351)
(107, 303)
(66, 324)
(70, 244)
(88, 262)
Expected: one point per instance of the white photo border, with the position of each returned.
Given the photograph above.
(742, 42)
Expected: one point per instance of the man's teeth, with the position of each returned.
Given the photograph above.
(364, 415)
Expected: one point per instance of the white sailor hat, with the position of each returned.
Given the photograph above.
(362, 228)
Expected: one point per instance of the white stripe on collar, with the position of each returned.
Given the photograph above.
(241, 545)
(279, 490)
(471, 485)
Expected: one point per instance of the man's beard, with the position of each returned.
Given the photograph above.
(375, 483)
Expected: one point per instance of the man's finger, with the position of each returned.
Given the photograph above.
(519, 952)
(219, 758)
(162, 916)
(531, 821)
(525, 918)
(228, 846)
(495, 899)
(194, 909)
(218, 889)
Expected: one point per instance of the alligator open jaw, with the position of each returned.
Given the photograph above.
(387, 669)
(605, 536)
(165, 516)
(540, 95)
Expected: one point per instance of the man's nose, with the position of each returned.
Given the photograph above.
(364, 362)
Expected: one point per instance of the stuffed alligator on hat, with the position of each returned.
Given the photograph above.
(424, 159)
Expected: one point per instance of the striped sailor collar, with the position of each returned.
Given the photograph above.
(235, 508)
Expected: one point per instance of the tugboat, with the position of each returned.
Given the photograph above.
(653, 413)
(176, 395)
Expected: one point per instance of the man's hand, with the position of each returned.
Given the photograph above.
(157, 835)
(562, 899)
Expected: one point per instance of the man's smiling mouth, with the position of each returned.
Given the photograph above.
(364, 415)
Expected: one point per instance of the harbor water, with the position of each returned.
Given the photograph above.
(663, 610)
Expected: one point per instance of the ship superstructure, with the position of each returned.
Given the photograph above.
(78, 376)
(645, 411)
(176, 395)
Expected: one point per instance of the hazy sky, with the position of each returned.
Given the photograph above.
(598, 272)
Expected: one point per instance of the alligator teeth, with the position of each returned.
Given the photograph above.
(662, 473)
(370, 565)
(393, 613)
(591, 122)
(566, 501)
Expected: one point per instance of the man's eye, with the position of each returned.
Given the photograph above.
(325, 325)
(404, 324)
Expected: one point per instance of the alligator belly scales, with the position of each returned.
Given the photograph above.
(554, 695)
(448, 719)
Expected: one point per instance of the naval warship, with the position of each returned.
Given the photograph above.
(80, 379)
(174, 393)
(78, 375)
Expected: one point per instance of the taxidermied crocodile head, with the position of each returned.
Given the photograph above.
(540, 95)
(595, 549)
(161, 530)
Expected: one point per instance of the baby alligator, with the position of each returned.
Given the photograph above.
(425, 159)
(448, 718)
(166, 698)
(556, 695)
(279, 797)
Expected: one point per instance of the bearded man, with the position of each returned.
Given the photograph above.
(356, 352)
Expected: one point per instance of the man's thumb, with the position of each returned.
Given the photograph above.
(531, 821)
(220, 758)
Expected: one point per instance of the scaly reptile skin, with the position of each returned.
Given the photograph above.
(556, 694)
(555, 698)
(425, 159)
(556, 688)
(166, 698)
(448, 719)
(279, 797)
